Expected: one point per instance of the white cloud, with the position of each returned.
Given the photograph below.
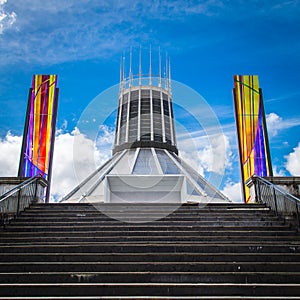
(283, 97)
(75, 157)
(10, 149)
(213, 155)
(79, 30)
(233, 191)
(284, 4)
(194, 159)
(64, 176)
(105, 136)
(275, 124)
(277, 171)
(293, 161)
(7, 19)
(89, 29)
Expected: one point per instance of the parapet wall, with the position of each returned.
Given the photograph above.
(289, 184)
(8, 183)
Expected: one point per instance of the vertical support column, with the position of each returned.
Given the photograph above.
(139, 116)
(172, 123)
(151, 116)
(127, 117)
(119, 118)
(171, 120)
(162, 117)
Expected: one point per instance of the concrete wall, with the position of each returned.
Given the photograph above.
(8, 183)
(289, 184)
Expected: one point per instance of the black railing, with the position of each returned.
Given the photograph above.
(20, 197)
(282, 203)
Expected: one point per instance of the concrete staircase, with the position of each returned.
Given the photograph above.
(218, 251)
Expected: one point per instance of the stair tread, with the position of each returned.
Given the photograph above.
(208, 250)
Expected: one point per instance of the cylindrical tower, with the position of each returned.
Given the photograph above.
(145, 167)
(145, 112)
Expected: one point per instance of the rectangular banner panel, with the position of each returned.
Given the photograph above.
(39, 130)
(251, 129)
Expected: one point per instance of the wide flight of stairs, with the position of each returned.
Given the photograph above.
(217, 251)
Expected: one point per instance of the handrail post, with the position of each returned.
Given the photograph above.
(35, 191)
(297, 214)
(275, 201)
(18, 203)
(257, 190)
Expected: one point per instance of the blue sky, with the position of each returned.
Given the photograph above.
(207, 41)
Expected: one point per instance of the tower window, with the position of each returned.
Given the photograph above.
(156, 106)
(166, 108)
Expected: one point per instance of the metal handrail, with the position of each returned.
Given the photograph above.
(17, 188)
(20, 197)
(281, 202)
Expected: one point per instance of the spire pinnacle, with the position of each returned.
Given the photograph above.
(140, 67)
(121, 70)
(123, 65)
(159, 67)
(167, 73)
(159, 73)
(130, 67)
(150, 68)
(169, 76)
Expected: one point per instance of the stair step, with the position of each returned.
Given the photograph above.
(213, 247)
(149, 257)
(128, 227)
(220, 211)
(152, 239)
(154, 289)
(151, 267)
(211, 251)
(154, 277)
(81, 206)
(249, 224)
(144, 233)
(154, 298)
(100, 217)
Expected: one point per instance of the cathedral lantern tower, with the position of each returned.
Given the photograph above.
(145, 166)
(145, 112)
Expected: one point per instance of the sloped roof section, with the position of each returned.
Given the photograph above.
(155, 173)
